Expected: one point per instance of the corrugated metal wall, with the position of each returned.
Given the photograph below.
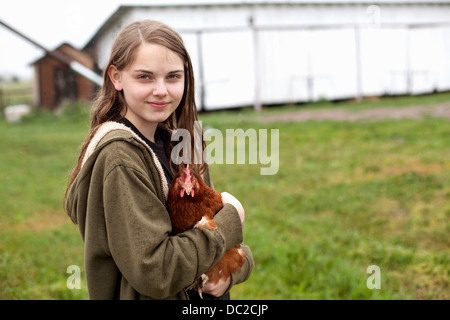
(252, 55)
(308, 65)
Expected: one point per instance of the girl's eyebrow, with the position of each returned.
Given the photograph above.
(177, 71)
(151, 72)
(142, 71)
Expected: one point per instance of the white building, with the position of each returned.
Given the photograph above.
(278, 52)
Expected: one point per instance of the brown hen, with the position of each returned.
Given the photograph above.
(192, 204)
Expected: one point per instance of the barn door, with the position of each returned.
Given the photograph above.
(66, 85)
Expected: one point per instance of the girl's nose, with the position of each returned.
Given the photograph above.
(160, 89)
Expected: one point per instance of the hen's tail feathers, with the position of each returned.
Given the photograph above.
(231, 262)
(207, 223)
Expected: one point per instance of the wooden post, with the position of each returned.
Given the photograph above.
(257, 106)
(201, 73)
(358, 95)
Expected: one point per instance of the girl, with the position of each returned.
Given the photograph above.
(117, 191)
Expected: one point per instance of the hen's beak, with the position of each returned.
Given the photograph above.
(188, 188)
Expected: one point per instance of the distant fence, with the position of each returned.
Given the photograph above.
(14, 96)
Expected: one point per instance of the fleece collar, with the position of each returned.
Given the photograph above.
(110, 126)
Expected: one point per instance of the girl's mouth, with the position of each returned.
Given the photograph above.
(158, 104)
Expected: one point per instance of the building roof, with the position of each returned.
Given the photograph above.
(239, 3)
(190, 3)
(58, 49)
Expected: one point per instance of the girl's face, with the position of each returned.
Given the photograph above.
(153, 86)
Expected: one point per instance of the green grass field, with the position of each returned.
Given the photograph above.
(347, 195)
(12, 93)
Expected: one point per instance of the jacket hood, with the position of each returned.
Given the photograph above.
(108, 132)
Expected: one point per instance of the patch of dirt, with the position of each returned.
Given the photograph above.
(415, 112)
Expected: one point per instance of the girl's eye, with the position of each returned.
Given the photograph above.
(144, 77)
(174, 77)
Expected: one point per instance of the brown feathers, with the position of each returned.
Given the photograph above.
(192, 204)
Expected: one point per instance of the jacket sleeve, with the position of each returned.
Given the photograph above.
(138, 229)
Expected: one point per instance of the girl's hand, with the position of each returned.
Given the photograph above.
(228, 198)
(217, 289)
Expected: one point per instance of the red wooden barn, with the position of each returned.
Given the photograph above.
(55, 82)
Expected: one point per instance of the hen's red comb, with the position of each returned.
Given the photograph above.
(188, 174)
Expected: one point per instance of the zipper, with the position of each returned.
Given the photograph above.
(186, 294)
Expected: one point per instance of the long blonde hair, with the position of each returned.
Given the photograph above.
(110, 105)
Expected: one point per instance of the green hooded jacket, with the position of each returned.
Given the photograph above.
(118, 201)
